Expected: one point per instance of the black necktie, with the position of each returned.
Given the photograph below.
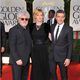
(57, 33)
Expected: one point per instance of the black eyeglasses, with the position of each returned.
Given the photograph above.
(26, 19)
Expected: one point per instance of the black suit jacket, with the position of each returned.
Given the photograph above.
(20, 44)
(48, 21)
(2, 35)
(62, 47)
(2, 42)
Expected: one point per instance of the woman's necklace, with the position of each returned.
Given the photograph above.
(38, 27)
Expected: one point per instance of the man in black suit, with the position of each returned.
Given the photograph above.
(51, 16)
(20, 46)
(2, 44)
(62, 37)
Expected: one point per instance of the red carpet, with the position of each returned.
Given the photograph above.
(73, 72)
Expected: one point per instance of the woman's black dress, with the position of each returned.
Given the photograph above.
(40, 62)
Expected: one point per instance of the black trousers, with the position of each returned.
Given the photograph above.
(20, 72)
(0, 65)
(63, 70)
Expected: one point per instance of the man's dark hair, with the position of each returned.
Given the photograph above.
(51, 11)
(60, 11)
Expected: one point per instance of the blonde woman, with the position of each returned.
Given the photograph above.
(39, 33)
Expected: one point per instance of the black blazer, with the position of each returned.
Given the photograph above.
(48, 21)
(62, 47)
(2, 35)
(20, 44)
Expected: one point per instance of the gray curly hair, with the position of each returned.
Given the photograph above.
(23, 13)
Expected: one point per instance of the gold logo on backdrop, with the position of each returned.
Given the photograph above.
(47, 4)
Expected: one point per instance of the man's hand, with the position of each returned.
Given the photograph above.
(19, 62)
(2, 49)
(66, 62)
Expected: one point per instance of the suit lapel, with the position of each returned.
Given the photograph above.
(20, 30)
(52, 32)
(62, 32)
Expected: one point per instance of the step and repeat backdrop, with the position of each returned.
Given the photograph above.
(46, 5)
(75, 15)
(9, 10)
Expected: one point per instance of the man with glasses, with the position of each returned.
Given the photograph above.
(20, 46)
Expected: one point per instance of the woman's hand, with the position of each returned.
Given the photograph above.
(49, 36)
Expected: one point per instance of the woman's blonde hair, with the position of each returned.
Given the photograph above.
(37, 11)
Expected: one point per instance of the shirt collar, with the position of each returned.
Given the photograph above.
(60, 24)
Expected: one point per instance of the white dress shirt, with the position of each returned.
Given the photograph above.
(51, 21)
(60, 28)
